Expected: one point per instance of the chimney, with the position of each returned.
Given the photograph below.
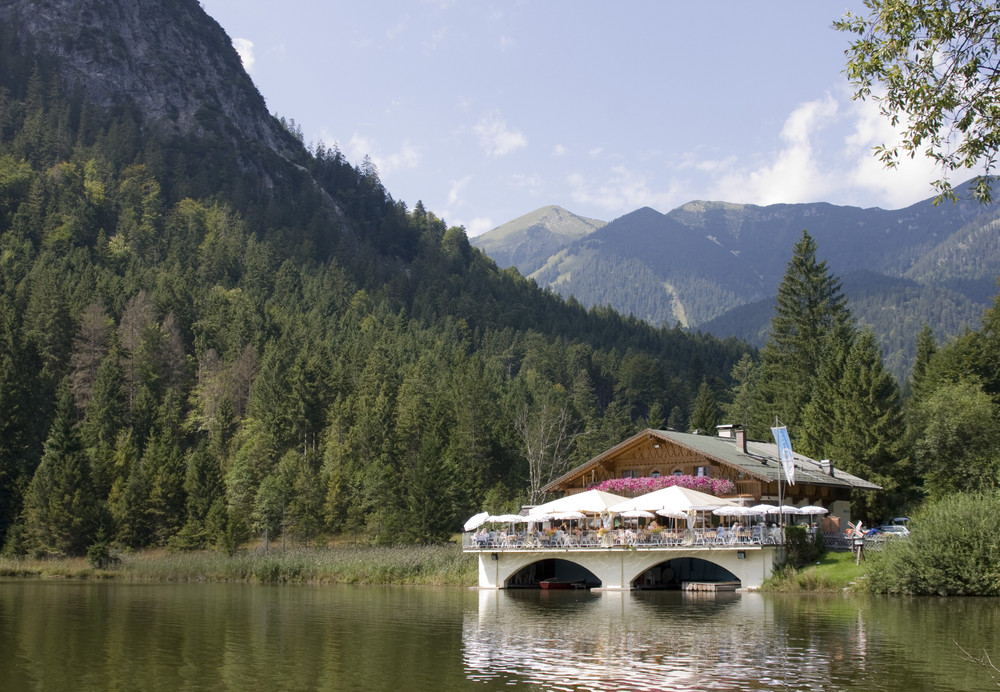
(827, 466)
(741, 438)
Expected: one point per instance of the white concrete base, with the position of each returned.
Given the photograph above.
(618, 567)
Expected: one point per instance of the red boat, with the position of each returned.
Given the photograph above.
(555, 584)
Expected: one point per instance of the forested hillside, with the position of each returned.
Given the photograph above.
(209, 330)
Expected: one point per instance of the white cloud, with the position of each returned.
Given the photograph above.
(406, 157)
(827, 154)
(494, 137)
(794, 175)
(532, 183)
(620, 192)
(244, 48)
(456, 189)
(909, 182)
(478, 226)
(559, 150)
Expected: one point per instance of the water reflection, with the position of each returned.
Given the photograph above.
(122, 636)
(671, 640)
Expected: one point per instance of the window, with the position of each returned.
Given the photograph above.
(628, 474)
(654, 474)
(678, 472)
(703, 471)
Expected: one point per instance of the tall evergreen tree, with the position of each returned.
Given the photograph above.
(868, 430)
(61, 512)
(926, 348)
(744, 392)
(815, 435)
(809, 304)
(704, 410)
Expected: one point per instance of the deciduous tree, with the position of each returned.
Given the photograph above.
(934, 69)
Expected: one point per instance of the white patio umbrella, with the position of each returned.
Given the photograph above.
(813, 509)
(638, 514)
(731, 511)
(788, 509)
(507, 518)
(671, 514)
(674, 498)
(588, 502)
(558, 516)
(475, 521)
(764, 509)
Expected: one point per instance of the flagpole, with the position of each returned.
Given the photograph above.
(781, 512)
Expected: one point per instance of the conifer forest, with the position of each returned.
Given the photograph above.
(202, 341)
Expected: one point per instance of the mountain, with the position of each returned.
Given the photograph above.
(703, 264)
(169, 61)
(209, 330)
(528, 241)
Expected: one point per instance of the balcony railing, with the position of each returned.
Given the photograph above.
(493, 541)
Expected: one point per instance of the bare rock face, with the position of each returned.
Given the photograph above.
(167, 57)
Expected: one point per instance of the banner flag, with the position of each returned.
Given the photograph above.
(785, 452)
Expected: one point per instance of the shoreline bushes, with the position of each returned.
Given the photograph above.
(953, 550)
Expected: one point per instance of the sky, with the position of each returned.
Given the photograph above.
(486, 111)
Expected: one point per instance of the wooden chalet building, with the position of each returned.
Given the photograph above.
(753, 467)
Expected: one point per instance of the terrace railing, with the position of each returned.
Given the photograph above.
(621, 538)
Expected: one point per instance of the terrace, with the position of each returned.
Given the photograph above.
(638, 539)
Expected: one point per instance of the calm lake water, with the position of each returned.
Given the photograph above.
(58, 635)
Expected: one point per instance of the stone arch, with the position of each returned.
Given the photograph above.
(661, 570)
(532, 572)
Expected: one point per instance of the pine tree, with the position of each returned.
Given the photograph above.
(815, 435)
(926, 348)
(868, 430)
(676, 419)
(745, 400)
(704, 410)
(61, 513)
(809, 304)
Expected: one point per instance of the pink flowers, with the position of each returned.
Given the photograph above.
(631, 487)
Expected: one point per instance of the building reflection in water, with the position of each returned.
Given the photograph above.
(651, 640)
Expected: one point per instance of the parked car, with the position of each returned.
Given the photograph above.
(893, 530)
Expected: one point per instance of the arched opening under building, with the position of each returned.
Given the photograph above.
(675, 573)
(555, 573)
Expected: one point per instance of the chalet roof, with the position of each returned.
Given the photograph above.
(760, 460)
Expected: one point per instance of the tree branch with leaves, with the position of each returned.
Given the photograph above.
(934, 68)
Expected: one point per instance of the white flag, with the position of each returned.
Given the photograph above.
(785, 452)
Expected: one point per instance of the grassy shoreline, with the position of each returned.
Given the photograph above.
(434, 565)
(832, 572)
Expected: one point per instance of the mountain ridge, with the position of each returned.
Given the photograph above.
(705, 259)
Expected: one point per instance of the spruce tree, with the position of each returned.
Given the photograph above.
(744, 392)
(868, 432)
(810, 303)
(704, 410)
(926, 348)
(61, 513)
(815, 435)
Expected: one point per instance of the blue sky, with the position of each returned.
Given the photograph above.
(488, 110)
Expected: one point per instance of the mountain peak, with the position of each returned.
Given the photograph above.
(528, 241)
(167, 58)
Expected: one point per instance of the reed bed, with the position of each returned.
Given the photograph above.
(434, 565)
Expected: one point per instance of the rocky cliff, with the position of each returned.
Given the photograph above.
(167, 57)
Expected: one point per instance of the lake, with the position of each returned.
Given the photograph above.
(85, 635)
